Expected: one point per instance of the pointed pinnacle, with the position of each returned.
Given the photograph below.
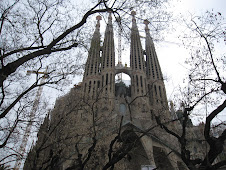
(133, 13)
(98, 18)
(109, 17)
(146, 22)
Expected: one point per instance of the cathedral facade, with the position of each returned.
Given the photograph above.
(102, 123)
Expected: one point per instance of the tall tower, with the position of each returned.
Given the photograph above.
(108, 61)
(99, 77)
(156, 87)
(91, 78)
(155, 84)
(137, 62)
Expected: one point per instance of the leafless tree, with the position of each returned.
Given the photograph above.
(206, 86)
(36, 34)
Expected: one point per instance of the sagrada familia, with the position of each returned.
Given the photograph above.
(102, 123)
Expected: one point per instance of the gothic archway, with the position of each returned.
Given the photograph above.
(123, 86)
(161, 159)
(137, 156)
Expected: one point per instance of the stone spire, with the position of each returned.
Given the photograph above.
(108, 59)
(136, 53)
(137, 61)
(156, 87)
(91, 78)
(153, 68)
(92, 64)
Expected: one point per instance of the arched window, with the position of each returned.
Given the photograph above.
(85, 88)
(110, 81)
(160, 92)
(141, 82)
(155, 90)
(137, 80)
(102, 81)
(89, 86)
(98, 84)
(106, 79)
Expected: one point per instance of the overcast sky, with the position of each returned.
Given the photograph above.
(173, 55)
(171, 52)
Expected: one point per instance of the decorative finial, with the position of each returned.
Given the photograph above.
(133, 13)
(98, 18)
(109, 17)
(146, 22)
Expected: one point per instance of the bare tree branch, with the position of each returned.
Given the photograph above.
(11, 67)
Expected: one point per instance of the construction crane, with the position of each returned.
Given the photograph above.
(27, 132)
(23, 145)
(119, 47)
